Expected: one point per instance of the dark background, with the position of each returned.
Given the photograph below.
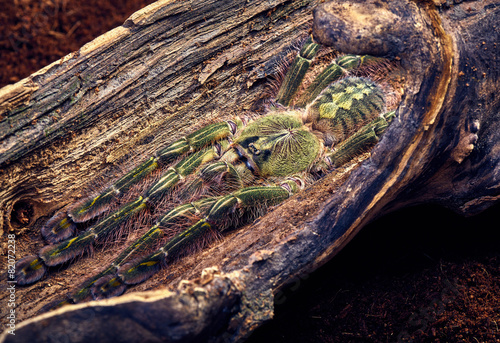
(422, 274)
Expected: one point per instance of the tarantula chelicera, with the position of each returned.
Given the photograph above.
(224, 174)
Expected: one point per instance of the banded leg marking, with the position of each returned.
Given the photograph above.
(103, 285)
(61, 227)
(54, 255)
(95, 206)
(359, 142)
(245, 199)
(200, 139)
(31, 268)
(333, 72)
(182, 169)
(297, 71)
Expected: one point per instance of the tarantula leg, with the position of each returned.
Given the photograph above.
(105, 285)
(359, 142)
(182, 169)
(102, 285)
(94, 206)
(297, 71)
(53, 255)
(58, 228)
(142, 270)
(170, 218)
(246, 200)
(57, 254)
(29, 269)
(337, 69)
(61, 226)
(200, 139)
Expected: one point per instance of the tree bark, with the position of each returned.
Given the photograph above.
(442, 147)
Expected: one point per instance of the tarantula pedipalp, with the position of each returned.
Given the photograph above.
(224, 174)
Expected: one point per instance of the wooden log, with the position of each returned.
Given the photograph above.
(441, 147)
(169, 67)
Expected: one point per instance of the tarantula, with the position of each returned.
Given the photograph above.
(224, 174)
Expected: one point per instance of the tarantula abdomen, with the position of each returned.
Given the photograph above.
(344, 107)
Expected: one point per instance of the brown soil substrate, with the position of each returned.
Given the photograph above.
(420, 275)
(35, 33)
(423, 274)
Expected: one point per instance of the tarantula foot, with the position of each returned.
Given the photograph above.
(88, 208)
(57, 254)
(58, 228)
(134, 273)
(29, 269)
(107, 287)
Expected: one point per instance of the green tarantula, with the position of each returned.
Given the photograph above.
(224, 174)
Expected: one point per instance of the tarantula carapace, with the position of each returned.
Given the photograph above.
(224, 174)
